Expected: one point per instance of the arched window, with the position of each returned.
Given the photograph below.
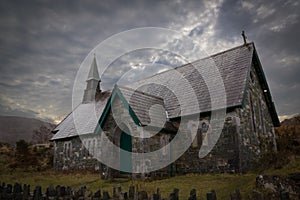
(88, 148)
(93, 147)
(69, 149)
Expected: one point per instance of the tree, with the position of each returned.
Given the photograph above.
(42, 135)
(22, 148)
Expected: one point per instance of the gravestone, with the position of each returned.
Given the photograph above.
(131, 192)
(68, 191)
(9, 188)
(116, 191)
(193, 195)
(236, 195)
(26, 191)
(257, 195)
(154, 196)
(123, 195)
(106, 195)
(174, 195)
(37, 194)
(17, 191)
(211, 195)
(142, 195)
(158, 193)
(97, 195)
(284, 195)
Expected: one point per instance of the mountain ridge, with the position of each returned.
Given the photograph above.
(15, 128)
(293, 121)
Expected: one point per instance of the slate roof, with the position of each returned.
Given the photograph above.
(233, 66)
(86, 116)
(148, 108)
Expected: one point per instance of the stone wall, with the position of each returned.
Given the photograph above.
(76, 153)
(256, 130)
(224, 155)
(246, 133)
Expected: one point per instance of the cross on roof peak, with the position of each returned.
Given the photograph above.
(244, 37)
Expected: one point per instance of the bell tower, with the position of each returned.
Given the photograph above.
(93, 83)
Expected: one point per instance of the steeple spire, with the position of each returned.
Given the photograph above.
(93, 73)
(93, 83)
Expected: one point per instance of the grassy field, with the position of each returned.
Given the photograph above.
(223, 184)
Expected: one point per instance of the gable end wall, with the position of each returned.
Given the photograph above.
(257, 129)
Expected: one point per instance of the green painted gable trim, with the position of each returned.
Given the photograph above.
(116, 92)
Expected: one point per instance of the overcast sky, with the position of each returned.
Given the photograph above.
(43, 43)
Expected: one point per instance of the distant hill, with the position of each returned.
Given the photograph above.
(14, 128)
(294, 121)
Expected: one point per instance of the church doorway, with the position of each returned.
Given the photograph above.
(125, 156)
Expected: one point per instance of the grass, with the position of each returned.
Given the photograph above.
(223, 184)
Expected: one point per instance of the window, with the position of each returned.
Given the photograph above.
(88, 148)
(205, 136)
(67, 149)
(195, 141)
(252, 112)
(93, 147)
(83, 149)
(252, 78)
(261, 113)
(196, 134)
(164, 140)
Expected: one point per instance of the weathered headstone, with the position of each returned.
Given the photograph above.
(257, 195)
(158, 193)
(174, 195)
(68, 191)
(106, 195)
(211, 195)
(37, 194)
(26, 191)
(9, 188)
(17, 191)
(236, 195)
(193, 195)
(123, 195)
(62, 191)
(154, 197)
(9, 194)
(97, 195)
(131, 192)
(142, 195)
(51, 192)
(284, 195)
(116, 191)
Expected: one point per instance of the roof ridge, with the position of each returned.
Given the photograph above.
(214, 55)
(195, 61)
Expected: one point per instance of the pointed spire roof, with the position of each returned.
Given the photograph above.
(93, 73)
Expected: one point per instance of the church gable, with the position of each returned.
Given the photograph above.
(144, 109)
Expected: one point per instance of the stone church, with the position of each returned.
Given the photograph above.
(127, 112)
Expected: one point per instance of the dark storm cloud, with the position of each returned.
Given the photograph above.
(42, 44)
(274, 27)
(46, 39)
